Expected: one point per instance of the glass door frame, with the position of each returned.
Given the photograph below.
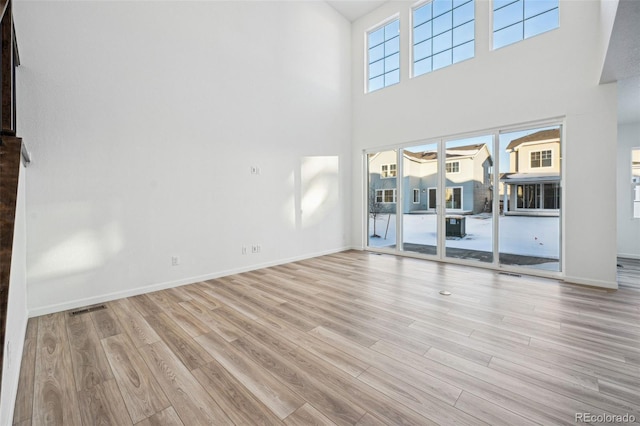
(440, 255)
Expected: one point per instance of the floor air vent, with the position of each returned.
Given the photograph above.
(510, 274)
(86, 310)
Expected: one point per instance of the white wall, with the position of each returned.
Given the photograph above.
(628, 227)
(17, 309)
(552, 75)
(144, 119)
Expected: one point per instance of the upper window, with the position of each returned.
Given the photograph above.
(443, 34)
(384, 56)
(388, 170)
(452, 167)
(541, 159)
(515, 20)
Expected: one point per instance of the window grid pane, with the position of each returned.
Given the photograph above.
(384, 56)
(443, 34)
(517, 20)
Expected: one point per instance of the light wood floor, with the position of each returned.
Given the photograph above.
(350, 338)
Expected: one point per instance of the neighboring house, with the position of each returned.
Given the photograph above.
(532, 185)
(468, 180)
(635, 179)
(382, 181)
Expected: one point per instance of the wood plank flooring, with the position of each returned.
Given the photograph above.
(353, 338)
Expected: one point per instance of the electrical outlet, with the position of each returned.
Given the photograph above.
(255, 170)
(255, 248)
(175, 260)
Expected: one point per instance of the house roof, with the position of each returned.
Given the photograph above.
(457, 152)
(542, 135)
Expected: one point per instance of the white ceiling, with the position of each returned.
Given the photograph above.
(623, 54)
(354, 9)
(622, 63)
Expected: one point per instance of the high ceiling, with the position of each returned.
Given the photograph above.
(622, 63)
(354, 9)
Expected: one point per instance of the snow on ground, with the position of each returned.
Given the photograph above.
(522, 235)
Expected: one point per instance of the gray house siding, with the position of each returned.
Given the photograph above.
(410, 183)
(377, 183)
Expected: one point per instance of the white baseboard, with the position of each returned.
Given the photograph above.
(103, 298)
(610, 285)
(11, 377)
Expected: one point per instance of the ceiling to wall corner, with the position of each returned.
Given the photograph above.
(622, 62)
(354, 9)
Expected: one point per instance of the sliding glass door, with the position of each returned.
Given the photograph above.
(382, 196)
(468, 200)
(530, 198)
(493, 198)
(419, 205)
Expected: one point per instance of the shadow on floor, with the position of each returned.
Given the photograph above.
(483, 256)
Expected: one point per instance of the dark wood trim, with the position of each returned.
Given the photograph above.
(16, 52)
(10, 157)
(4, 6)
(7, 72)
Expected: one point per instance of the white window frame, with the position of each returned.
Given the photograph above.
(451, 164)
(635, 183)
(388, 173)
(452, 188)
(430, 39)
(416, 200)
(541, 152)
(540, 190)
(367, 63)
(381, 193)
(442, 211)
(523, 21)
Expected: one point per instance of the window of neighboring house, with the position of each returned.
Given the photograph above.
(416, 196)
(452, 167)
(388, 171)
(538, 196)
(635, 180)
(443, 34)
(384, 56)
(385, 195)
(636, 201)
(453, 198)
(541, 159)
(432, 198)
(515, 20)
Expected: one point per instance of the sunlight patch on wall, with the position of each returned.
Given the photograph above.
(319, 188)
(80, 252)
